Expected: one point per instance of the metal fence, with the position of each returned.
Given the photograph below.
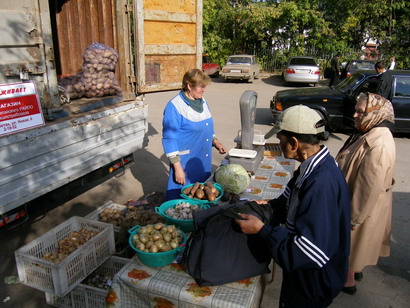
(272, 61)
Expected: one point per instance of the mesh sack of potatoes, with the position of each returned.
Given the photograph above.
(99, 62)
(73, 86)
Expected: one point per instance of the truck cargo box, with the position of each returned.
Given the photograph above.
(43, 40)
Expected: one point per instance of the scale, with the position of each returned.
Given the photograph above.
(249, 154)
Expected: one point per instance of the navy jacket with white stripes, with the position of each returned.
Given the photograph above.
(312, 247)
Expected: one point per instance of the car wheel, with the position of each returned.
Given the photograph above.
(215, 75)
(225, 79)
(285, 83)
(328, 128)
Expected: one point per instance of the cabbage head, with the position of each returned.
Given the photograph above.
(233, 178)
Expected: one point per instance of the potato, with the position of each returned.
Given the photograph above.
(155, 241)
(153, 248)
(194, 188)
(211, 197)
(211, 186)
(174, 244)
(158, 226)
(187, 190)
(199, 193)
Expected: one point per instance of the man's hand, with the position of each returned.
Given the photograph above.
(261, 201)
(251, 224)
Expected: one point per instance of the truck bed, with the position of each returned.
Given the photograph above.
(40, 160)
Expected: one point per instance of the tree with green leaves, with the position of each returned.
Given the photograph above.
(298, 27)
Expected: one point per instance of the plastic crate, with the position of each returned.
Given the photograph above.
(186, 225)
(85, 296)
(158, 258)
(109, 204)
(59, 279)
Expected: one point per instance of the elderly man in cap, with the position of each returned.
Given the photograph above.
(312, 245)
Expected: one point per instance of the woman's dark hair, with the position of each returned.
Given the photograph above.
(380, 65)
(305, 138)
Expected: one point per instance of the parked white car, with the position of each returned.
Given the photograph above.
(242, 67)
(302, 70)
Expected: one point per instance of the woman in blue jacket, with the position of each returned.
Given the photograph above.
(312, 247)
(188, 134)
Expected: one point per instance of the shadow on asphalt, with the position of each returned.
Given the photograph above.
(397, 264)
(274, 79)
(221, 80)
(152, 170)
(41, 206)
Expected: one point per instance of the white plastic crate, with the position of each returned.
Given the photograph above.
(109, 204)
(61, 278)
(85, 296)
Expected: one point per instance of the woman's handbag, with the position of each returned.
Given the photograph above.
(218, 252)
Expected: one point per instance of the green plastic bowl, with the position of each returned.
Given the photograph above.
(158, 258)
(219, 187)
(186, 225)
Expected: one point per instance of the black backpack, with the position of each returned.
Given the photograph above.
(217, 252)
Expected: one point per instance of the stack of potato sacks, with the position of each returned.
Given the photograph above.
(97, 78)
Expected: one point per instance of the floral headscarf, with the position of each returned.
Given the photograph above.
(377, 110)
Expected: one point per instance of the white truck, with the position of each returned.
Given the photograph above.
(43, 40)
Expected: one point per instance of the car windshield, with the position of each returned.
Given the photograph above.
(350, 83)
(302, 61)
(363, 65)
(239, 60)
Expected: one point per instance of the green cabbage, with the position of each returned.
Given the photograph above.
(233, 178)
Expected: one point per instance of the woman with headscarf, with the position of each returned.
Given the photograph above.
(367, 159)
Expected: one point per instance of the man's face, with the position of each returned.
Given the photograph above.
(379, 70)
(285, 146)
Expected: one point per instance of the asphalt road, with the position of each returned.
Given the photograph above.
(384, 285)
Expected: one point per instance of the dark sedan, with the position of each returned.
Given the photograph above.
(353, 66)
(336, 104)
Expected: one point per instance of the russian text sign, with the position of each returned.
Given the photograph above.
(19, 108)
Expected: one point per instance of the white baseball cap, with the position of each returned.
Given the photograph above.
(298, 119)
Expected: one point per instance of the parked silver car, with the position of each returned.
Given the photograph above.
(302, 69)
(242, 67)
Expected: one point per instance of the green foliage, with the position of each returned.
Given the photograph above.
(297, 27)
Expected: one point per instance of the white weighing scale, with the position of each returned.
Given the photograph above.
(250, 153)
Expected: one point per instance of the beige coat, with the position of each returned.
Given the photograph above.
(368, 166)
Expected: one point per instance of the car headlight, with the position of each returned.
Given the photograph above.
(278, 104)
